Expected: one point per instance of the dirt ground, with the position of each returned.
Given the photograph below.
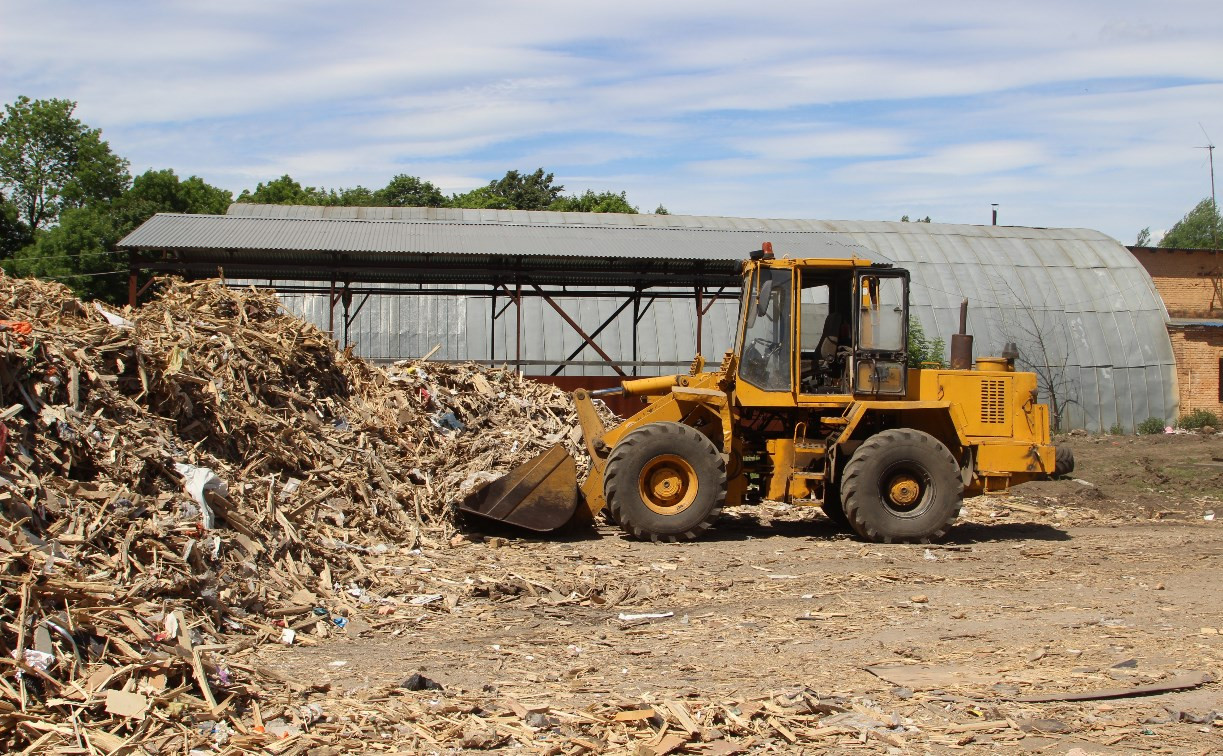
(780, 633)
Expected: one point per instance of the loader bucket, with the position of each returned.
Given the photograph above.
(541, 494)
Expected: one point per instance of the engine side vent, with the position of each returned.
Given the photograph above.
(993, 402)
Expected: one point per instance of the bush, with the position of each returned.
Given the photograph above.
(1150, 426)
(923, 349)
(1198, 418)
(1116, 430)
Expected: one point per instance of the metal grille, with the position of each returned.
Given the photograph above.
(993, 402)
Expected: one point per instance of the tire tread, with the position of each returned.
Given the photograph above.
(856, 478)
(617, 477)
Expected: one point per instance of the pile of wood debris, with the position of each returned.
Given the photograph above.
(187, 479)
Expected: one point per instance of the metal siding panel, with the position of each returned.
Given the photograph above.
(1108, 399)
(1089, 398)
(1090, 287)
(1122, 377)
(1170, 394)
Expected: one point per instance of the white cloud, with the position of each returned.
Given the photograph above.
(1078, 113)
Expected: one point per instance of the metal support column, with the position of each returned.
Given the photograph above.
(636, 320)
(492, 327)
(700, 317)
(331, 300)
(518, 328)
(346, 300)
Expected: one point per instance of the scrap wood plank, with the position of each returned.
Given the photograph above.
(662, 746)
(786, 732)
(993, 724)
(634, 715)
(683, 717)
(1180, 682)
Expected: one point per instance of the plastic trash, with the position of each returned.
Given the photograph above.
(449, 421)
(658, 615)
(116, 320)
(197, 480)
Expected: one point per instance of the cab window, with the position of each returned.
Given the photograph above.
(767, 332)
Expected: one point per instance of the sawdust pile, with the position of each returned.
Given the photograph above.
(186, 479)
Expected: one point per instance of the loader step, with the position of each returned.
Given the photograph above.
(807, 475)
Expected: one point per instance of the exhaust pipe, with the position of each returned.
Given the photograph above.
(961, 343)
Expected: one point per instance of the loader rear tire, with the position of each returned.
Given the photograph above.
(665, 482)
(902, 486)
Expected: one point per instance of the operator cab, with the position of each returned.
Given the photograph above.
(824, 327)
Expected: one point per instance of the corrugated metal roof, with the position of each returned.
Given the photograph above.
(296, 230)
(1073, 298)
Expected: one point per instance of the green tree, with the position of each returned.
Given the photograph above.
(409, 191)
(603, 202)
(1201, 228)
(13, 233)
(357, 196)
(1144, 238)
(905, 219)
(923, 349)
(660, 210)
(285, 191)
(79, 251)
(482, 198)
(163, 192)
(51, 162)
(514, 191)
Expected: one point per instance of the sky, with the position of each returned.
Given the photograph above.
(1085, 114)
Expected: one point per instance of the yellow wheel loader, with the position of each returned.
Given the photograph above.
(815, 405)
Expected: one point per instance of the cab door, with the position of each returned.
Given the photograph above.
(881, 327)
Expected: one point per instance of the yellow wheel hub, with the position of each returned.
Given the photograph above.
(904, 490)
(667, 484)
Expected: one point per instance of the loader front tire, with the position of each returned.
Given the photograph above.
(665, 482)
(902, 486)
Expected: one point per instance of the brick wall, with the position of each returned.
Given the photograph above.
(1197, 351)
(1187, 279)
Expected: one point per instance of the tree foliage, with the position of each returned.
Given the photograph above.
(163, 192)
(922, 348)
(51, 162)
(284, 191)
(1201, 228)
(79, 250)
(409, 191)
(13, 233)
(513, 191)
(527, 192)
(590, 202)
